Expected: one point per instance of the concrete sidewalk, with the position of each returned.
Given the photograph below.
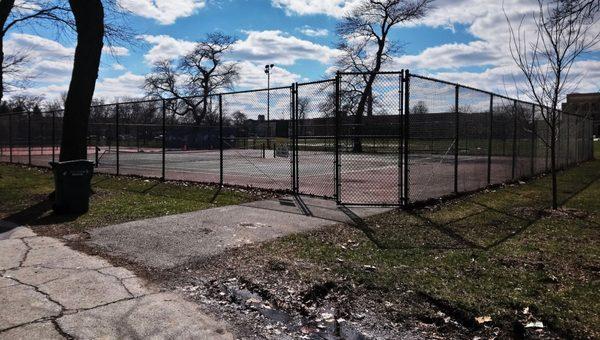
(49, 291)
(174, 240)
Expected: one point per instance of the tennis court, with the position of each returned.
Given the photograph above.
(415, 139)
(364, 178)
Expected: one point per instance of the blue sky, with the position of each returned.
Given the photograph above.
(460, 40)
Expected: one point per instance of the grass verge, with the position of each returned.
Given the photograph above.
(24, 195)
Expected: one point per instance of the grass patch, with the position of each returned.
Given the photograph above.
(490, 254)
(24, 196)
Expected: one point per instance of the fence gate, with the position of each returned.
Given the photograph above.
(314, 138)
(371, 138)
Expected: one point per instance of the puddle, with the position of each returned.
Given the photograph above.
(322, 325)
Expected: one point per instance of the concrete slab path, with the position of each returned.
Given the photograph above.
(49, 291)
(170, 241)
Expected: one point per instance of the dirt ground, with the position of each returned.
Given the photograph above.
(263, 294)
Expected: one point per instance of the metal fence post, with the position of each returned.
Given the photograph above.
(406, 135)
(568, 138)
(337, 138)
(53, 135)
(164, 136)
(456, 139)
(291, 138)
(42, 136)
(295, 154)
(400, 136)
(514, 148)
(29, 137)
(117, 134)
(10, 141)
(297, 139)
(220, 140)
(490, 136)
(547, 144)
(533, 140)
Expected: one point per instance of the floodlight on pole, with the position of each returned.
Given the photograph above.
(268, 69)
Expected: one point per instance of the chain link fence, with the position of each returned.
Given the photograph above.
(392, 138)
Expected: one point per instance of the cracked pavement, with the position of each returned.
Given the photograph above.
(49, 291)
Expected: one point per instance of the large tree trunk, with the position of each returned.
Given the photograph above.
(6, 7)
(89, 19)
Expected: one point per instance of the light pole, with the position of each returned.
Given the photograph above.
(268, 69)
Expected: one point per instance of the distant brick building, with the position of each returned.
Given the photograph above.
(585, 104)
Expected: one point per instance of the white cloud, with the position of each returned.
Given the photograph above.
(126, 85)
(334, 8)
(314, 32)
(50, 65)
(508, 80)
(117, 51)
(47, 61)
(118, 67)
(48, 92)
(258, 47)
(252, 76)
(486, 21)
(280, 48)
(36, 46)
(165, 12)
(165, 47)
(453, 56)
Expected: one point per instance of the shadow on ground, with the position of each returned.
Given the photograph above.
(38, 214)
(479, 221)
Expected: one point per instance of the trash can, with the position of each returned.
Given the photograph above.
(72, 183)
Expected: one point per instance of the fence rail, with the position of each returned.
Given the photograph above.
(391, 139)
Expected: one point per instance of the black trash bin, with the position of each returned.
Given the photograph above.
(72, 183)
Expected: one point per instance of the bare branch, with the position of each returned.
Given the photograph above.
(199, 74)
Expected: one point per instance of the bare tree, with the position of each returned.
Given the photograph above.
(57, 16)
(15, 13)
(366, 46)
(200, 73)
(13, 73)
(303, 107)
(419, 108)
(584, 7)
(25, 103)
(565, 30)
(239, 119)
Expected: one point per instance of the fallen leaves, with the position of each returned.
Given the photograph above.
(483, 319)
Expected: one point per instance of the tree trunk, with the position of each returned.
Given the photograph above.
(360, 111)
(364, 98)
(89, 20)
(1, 68)
(6, 7)
(553, 165)
(370, 104)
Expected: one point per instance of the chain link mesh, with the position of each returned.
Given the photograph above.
(315, 114)
(473, 139)
(293, 139)
(102, 138)
(370, 125)
(432, 130)
(257, 143)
